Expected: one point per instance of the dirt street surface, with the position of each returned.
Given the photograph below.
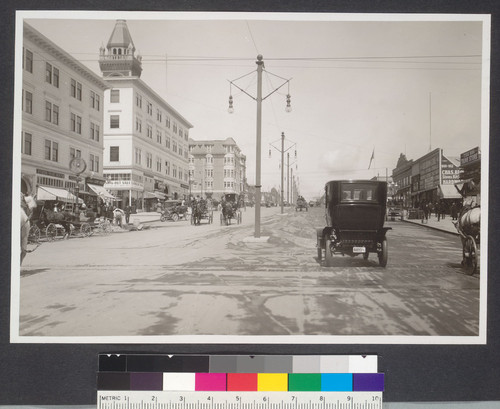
(178, 279)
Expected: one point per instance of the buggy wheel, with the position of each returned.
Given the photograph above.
(51, 232)
(85, 229)
(162, 218)
(470, 256)
(175, 217)
(328, 254)
(383, 256)
(34, 234)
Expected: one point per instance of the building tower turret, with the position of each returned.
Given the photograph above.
(119, 59)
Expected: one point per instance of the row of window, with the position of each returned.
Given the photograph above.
(51, 151)
(52, 116)
(52, 77)
(159, 117)
(176, 172)
(114, 123)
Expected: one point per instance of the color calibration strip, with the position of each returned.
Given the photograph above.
(332, 373)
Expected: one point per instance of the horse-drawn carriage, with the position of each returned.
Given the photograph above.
(49, 223)
(301, 204)
(468, 225)
(230, 206)
(355, 214)
(201, 211)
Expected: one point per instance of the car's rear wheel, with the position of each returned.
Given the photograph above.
(384, 254)
(328, 254)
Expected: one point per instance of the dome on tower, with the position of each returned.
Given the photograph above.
(120, 37)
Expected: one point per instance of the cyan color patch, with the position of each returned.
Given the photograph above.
(336, 382)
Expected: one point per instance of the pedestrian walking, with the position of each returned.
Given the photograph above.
(438, 211)
(453, 211)
(443, 210)
(128, 210)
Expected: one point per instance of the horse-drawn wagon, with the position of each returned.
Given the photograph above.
(201, 211)
(230, 209)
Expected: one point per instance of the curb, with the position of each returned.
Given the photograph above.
(433, 227)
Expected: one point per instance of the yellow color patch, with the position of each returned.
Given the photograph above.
(272, 382)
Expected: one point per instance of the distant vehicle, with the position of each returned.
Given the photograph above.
(312, 203)
(394, 213)
(301, 204)
(355, 214)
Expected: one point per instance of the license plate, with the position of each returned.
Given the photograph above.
(359, 250)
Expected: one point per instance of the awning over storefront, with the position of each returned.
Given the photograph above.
(53, 193)
(154, 195)
(448, 192)
(100, 191)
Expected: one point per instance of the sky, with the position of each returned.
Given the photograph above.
(359, 84)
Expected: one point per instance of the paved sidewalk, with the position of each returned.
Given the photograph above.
(144, 217)
(445, 224)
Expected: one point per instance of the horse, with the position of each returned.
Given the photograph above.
(228, 211)
(198, 209)
(28, 204)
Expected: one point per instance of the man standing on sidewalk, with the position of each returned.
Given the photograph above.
(438, 210)
(128, 210)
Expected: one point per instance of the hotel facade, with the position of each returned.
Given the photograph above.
(62, 119)
(216, 167)
(145, 139)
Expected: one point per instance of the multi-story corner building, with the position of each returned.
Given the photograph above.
(62, 119)
(216, 167)
(145, 139)
(431, 179)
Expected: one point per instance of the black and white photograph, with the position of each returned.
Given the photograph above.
(188, 177)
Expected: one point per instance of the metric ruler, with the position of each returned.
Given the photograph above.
(237, 400)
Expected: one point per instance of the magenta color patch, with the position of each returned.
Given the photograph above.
(210, 382)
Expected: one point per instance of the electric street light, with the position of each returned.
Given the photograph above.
(258, 99)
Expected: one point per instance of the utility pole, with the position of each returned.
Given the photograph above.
(258, 186)
(282, 169)
(288, 177)
(258, 99)
(282, 166)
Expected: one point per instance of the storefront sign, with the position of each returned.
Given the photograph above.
(450, 173)
(122, 184)
(94, 181)
(49, 173)
(470, 157)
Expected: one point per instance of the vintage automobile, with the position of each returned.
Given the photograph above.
(173, 210)
(355, 213)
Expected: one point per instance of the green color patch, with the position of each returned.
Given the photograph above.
(304, 382)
